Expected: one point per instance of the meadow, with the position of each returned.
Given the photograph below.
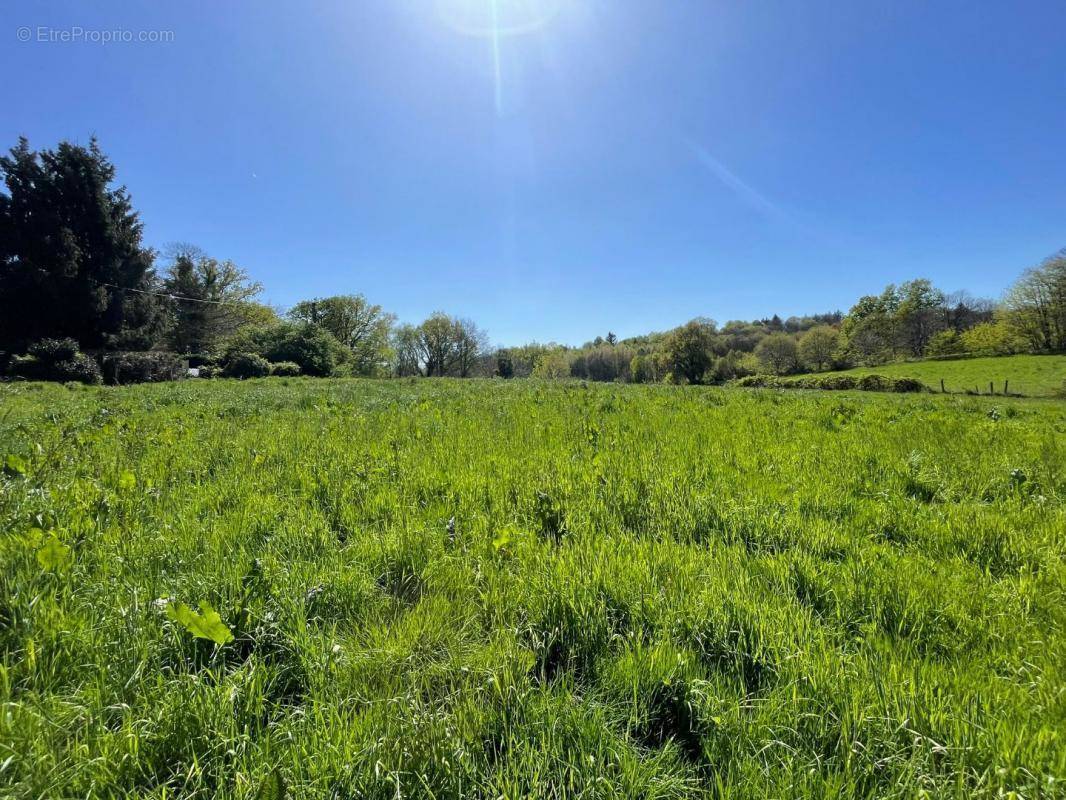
(1032, 376)
(484, 589)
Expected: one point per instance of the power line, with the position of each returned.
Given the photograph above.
(170, 296)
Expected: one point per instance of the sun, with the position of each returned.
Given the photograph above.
(497, 18)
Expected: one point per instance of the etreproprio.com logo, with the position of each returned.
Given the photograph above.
(79, 35)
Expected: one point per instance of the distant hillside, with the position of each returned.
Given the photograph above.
(1035, 376)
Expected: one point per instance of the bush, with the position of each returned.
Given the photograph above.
(80, 368)
(209, 371)
(246, 365)
(944, 343)
(908, 385)
(875, 383)
(866, 383)
(149, 367)
(52, 351)
(285, 369)
(756, 381)
(55, 360)
(28, 368)
(839, 382)
(316, 351)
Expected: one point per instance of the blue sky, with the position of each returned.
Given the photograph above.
(599, 165)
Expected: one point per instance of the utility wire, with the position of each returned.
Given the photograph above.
(170, 296)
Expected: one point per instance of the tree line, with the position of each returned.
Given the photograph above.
(78, 287)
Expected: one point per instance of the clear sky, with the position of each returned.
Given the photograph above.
(555, 169)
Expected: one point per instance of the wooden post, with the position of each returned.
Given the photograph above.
(991, 387)
(942, 386)
(1005, 385)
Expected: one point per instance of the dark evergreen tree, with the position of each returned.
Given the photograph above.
(71, 252)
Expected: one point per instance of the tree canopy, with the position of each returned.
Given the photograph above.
(72, 261)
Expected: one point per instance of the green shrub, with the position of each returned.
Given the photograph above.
(28, 368)
(52, 351)
(875, 383)
(285, 369)
(148, 367)
(839, 382)
(246, 365)
(757, 381)
(866, 383)
(80, 368)
(316, 351)
(56, 360)
(908, 385)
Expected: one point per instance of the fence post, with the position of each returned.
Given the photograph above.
(942, 386)
(991, 387)
(1005, 385)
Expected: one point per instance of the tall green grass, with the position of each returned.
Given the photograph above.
(481, 589)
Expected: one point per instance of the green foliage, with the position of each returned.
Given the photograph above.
(207, 624)
(127, 481)
(818, 347)
(778, 354)
(554, 365)
(1036, 305)
(996, 338)
(14, 465)
(865, 383)
(945, 343)
(689, 351)
(56, 360)
(316, 351)
(53, 555)
(245, 365)
(531, 589)
(80, 368)
(211, 299)
(272, 787)
(285, 369)
(70, 237)
(356, 323)
(1035, 376)
(51, 351)
(151, 367)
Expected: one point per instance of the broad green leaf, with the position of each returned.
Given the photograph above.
(54, 556)
(272, 787)
(127, 481)
(503, 538)
(204, 625)
(14, 465)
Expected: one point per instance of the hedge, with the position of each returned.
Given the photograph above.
(865, 383)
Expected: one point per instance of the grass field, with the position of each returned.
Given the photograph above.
(483, 589)
(1033, 376)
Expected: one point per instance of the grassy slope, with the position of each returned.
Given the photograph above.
(644, 592)
(1033, 376)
